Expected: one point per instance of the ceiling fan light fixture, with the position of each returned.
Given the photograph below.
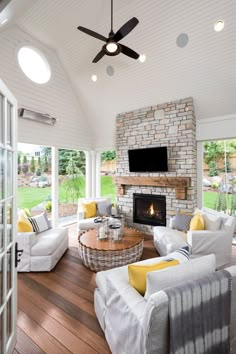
(111, 47)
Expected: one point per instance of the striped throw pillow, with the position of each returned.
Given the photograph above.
(40, 223)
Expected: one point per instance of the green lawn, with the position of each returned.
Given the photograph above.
(28, 197)
(108, 188)
(209, 199)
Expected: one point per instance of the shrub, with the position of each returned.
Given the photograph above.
(48, 206)
(228, 167)
(213, 169)
(215, 185)
(27, 212)
(38, 172)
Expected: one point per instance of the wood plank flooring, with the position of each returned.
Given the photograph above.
(55, 310)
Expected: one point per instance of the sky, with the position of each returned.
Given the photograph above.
(28, 148)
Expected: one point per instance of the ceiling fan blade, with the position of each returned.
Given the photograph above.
(92, 33)
(125, 29)
(129, 52)
(99, 56)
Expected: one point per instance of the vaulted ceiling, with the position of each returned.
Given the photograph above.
(205, 69)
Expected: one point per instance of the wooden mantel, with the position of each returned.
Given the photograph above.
(179, 183)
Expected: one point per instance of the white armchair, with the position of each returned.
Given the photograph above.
(216, 239)
(218, 242)
(86, 224)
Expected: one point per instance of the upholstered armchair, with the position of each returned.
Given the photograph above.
(103, 207)
(217, 241)
(216, 238)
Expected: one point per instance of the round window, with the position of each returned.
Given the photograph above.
(34, 64)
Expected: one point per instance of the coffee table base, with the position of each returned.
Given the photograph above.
(98, 260)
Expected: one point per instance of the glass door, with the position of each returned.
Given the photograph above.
(8, 111)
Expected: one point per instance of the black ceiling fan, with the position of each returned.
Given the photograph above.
(112, 47)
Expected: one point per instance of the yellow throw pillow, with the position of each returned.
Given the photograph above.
(90, 209)
(138, 273)
(197, 223)
(23, 224)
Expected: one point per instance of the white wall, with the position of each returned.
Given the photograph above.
(216, 128)
(56, 98)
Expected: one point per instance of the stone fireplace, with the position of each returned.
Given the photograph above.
(149, 209)
(171, 124)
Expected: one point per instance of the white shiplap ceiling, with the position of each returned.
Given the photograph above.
(205, 69)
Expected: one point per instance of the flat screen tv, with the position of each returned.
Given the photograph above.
(148, 160)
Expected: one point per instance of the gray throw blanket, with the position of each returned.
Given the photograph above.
(199, 315)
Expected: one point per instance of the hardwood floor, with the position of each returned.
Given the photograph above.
(55, 310)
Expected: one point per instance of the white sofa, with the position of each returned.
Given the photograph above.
(86, 224)
(41, 251)
(202, 242)
(137, 326)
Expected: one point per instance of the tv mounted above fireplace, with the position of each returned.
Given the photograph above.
(148, 160)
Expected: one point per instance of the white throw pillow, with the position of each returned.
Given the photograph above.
(212, 222)
(165, 278)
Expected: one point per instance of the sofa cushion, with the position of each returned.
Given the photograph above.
(181, 222)
(86, 224)
(40, 223)
(90, 209)
(212, 222)
(191, 270)
(138, 273)
(48, 241)
(104, 208)
(23, 223)
(197, 222)
(167, 240)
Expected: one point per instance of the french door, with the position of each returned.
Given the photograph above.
(8, 113)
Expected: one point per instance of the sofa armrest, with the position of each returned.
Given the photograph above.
(217, 242)
(27, 239)
(114, 211)
(125, 308)
(80, 214)
(25, 242)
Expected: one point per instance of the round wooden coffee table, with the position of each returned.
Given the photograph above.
(100, 255)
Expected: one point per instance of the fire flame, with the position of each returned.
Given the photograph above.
(151, 209)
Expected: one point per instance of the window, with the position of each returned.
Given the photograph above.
(72, 171)
(34, 65)
(219, 175)
(34, 179)
(108, 170)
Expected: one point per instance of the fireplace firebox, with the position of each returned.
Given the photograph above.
(149, 209)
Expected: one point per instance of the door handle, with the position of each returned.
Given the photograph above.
(18, 254)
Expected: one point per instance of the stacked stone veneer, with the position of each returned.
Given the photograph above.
(173, 125)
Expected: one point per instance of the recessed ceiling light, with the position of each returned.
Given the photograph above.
(142, 58)
(94, 78)
(219, 25)
(4, 21)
